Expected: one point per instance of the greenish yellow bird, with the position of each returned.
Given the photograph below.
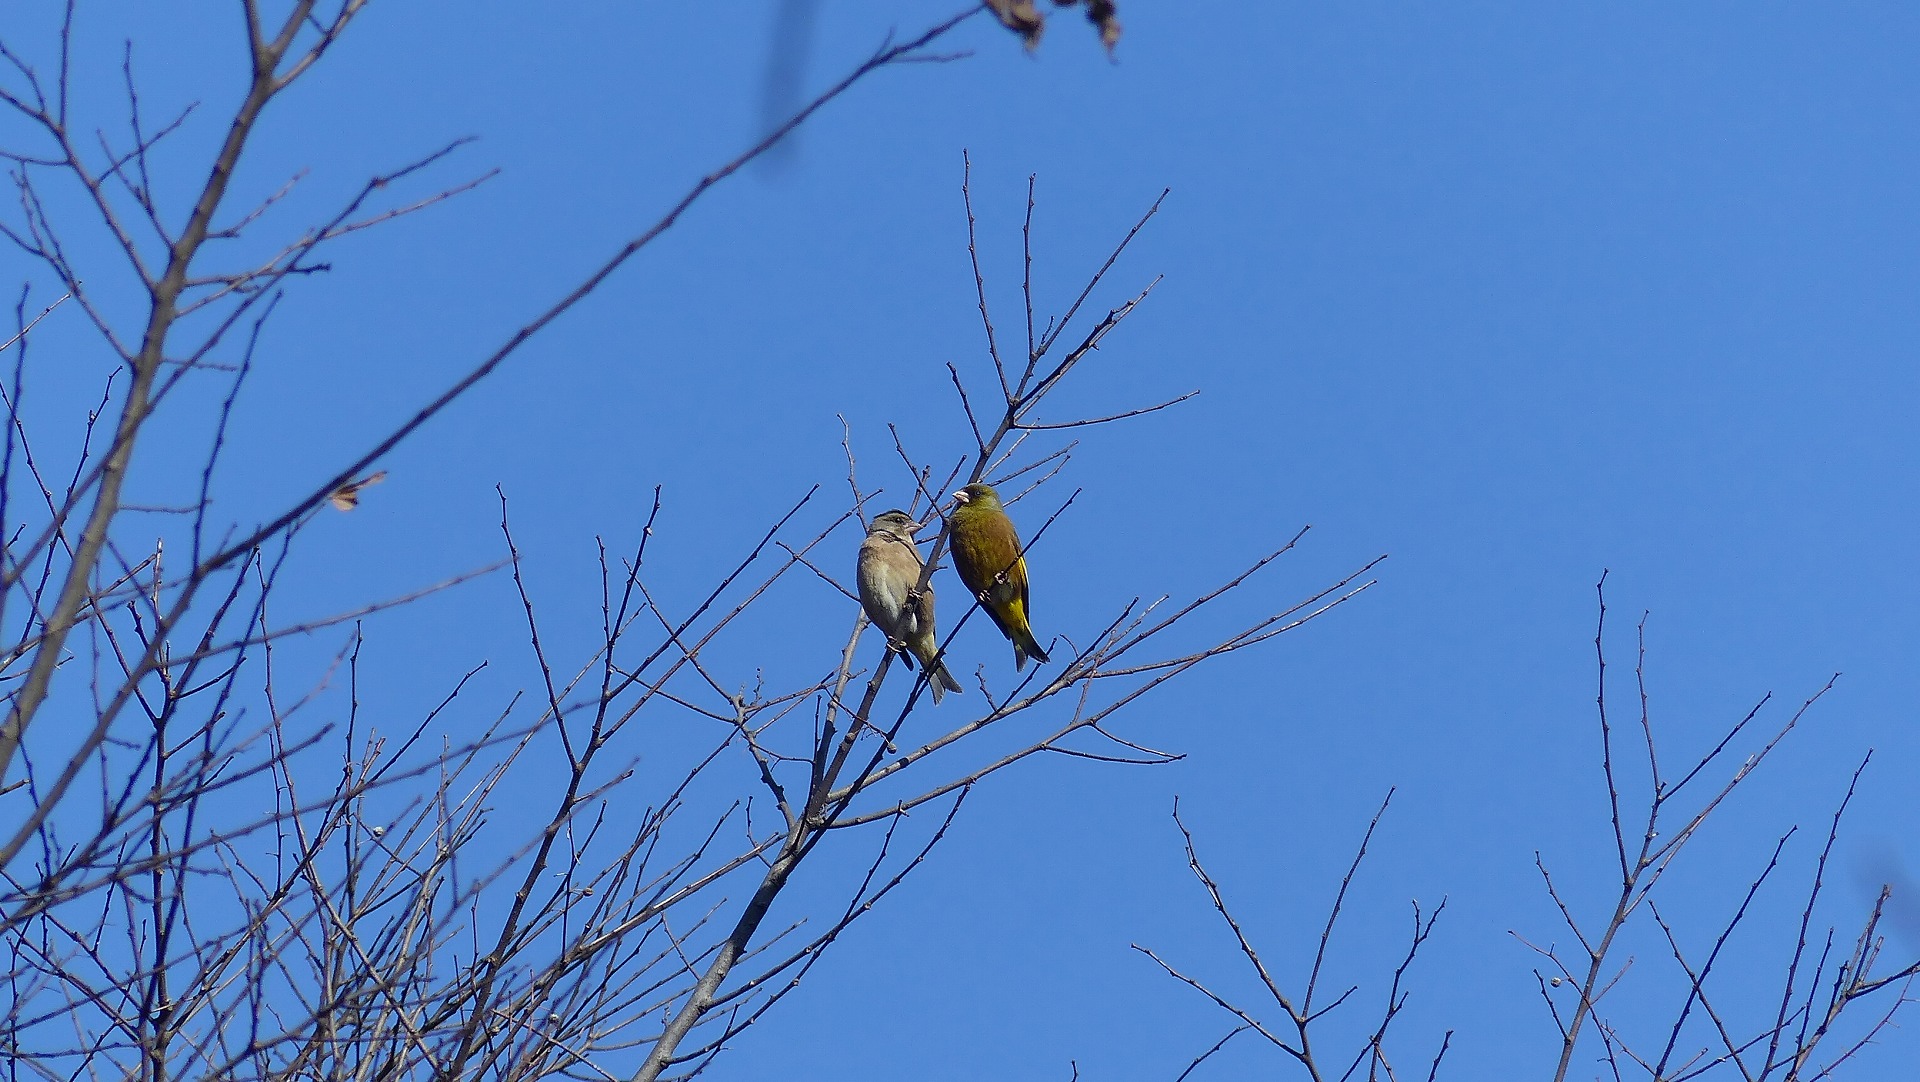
(986, 553)
(887, 573)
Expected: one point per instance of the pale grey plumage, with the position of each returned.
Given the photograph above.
(889, 569)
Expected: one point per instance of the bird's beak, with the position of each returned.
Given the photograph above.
(961, 496)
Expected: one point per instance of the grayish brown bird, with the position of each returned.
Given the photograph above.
(888, 572)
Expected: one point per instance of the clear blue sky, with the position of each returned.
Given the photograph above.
(1514, 294)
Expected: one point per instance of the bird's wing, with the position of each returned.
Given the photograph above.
(923, 612)
(1016, 574)
(876, 572)
(902, 562)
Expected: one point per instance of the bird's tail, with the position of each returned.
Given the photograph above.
(938, 678)
(942, 682)
(1025, 646)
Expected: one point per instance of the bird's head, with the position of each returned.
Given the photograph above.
(895, 522)
(978, 495)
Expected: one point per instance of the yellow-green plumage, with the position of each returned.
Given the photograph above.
(986, 553)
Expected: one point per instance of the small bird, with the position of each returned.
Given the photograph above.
(889, 569)
(986, 553)
(347, 496)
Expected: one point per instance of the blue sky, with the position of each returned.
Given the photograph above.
(1514, 295)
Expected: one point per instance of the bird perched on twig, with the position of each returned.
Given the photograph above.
(888, 571)
(986, 553)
